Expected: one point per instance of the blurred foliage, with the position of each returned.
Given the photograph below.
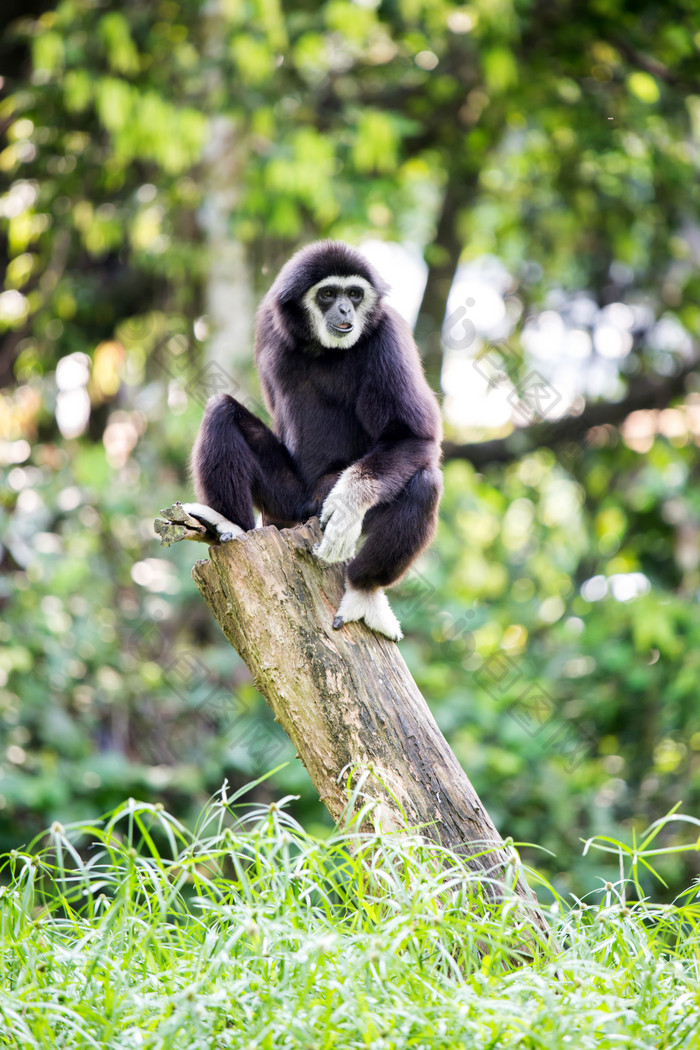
(570, 708)
(562, 139)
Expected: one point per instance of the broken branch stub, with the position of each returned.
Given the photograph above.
(175, 524)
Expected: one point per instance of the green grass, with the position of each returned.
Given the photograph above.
(135, 932)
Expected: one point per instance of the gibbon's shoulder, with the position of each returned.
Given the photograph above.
(395, 339)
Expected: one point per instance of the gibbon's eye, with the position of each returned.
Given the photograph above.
(327, 294)
(356, 294)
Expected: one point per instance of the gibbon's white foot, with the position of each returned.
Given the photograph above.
(342, 515)
(372, 607)
(226, 529)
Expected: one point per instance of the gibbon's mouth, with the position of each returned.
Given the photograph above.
(342, 328)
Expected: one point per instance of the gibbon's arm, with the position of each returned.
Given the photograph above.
(266, 387)
(399, 410)
(376, 478)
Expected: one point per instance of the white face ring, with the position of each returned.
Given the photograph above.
(336, 339)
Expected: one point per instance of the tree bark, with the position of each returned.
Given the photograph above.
(346, 698)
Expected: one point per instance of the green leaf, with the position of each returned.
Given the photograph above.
(500, 69)
(77, 90)
(47, 52)
(116, 36)
(376, 143)
(643, 86)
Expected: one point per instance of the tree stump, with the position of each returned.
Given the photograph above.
(346, 698)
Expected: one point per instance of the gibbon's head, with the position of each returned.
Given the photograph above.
(328, 295)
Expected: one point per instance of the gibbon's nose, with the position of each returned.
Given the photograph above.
(344, 309)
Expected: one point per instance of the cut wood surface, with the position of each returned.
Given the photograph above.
(346, 698)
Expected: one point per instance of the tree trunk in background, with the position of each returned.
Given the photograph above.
(230, 300)
(346, 698)
(229, 290)
(443, 259)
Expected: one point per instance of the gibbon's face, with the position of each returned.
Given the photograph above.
(338, 309)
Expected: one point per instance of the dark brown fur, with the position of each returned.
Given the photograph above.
(368, 404)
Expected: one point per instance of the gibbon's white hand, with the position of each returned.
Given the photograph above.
(342, 521)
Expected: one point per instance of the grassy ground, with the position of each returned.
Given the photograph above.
(134, 932)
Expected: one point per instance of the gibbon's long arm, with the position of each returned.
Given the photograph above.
(378, 478)
(390, 465)
(396, 408)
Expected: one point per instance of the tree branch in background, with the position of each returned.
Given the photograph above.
(645, 393)
(653, 65)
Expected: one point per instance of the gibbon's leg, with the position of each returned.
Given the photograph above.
(237, 462)
(394, 535)
(227, 530)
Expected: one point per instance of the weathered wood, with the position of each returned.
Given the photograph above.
(345, 698)
(175, 524)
